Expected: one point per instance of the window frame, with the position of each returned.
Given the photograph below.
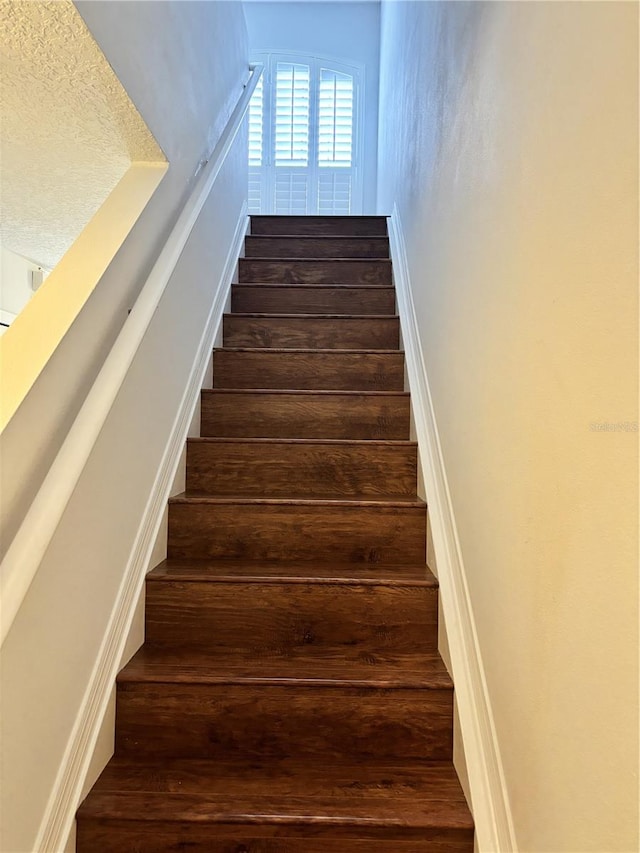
(316, 63)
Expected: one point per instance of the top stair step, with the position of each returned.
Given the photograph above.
(330, 226)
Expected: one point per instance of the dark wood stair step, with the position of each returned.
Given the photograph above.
(256, 413)
(331, 226)
(306, 369)
(275, 246)
(414, 670)
(195, 609)
(311, 467)
(170, 704)
(376, 271)
(366, 531)
(312, 299)
(286, 806)
(311, 331)
(307, 571)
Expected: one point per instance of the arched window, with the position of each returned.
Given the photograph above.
(304, 136)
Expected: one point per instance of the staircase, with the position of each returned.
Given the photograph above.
(289, 697)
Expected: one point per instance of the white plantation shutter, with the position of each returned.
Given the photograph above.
(291, 136)
(302, 142)
(255, 124)
(335, 119)
(256, 140)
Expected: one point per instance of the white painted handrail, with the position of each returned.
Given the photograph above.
(27, 549)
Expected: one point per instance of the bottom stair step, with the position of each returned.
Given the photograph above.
(275, 807)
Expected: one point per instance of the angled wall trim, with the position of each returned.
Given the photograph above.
(63, 802)
(489, 796)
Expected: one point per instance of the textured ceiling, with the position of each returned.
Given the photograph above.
(69, 129)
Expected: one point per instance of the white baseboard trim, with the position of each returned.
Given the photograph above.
(64, 799)
(489, 797)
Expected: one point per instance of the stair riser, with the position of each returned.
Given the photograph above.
(310, 370)
(374, 272)
(285, 618)
(307, 299)
(320, 247)
(226, 721)
(340, 226)
(247, 415)
(112, 836)
(312, 332)
(358, 534)
(316, 470)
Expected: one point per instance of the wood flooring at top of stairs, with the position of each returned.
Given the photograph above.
(289, 696)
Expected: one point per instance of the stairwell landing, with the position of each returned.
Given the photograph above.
(289, 696)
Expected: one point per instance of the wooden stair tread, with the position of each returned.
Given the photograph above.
(250, 571)
(390, 501)
(398, 795)
(329, 441)
(308, 350)
(345, 237)
(310, 667)
(308, 370)
(318, 225)
(318, 270)
(322, 331)
(306, 392)
(319, 286)
(256, 316)
(313, 285)
(294, 260)
(324, 248)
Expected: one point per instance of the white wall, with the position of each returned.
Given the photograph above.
(346, 31)
(509, 143)
(185, 81)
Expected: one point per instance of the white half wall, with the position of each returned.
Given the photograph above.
(346, 31)
(509, 146)
(185, 81)
(59, 633)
